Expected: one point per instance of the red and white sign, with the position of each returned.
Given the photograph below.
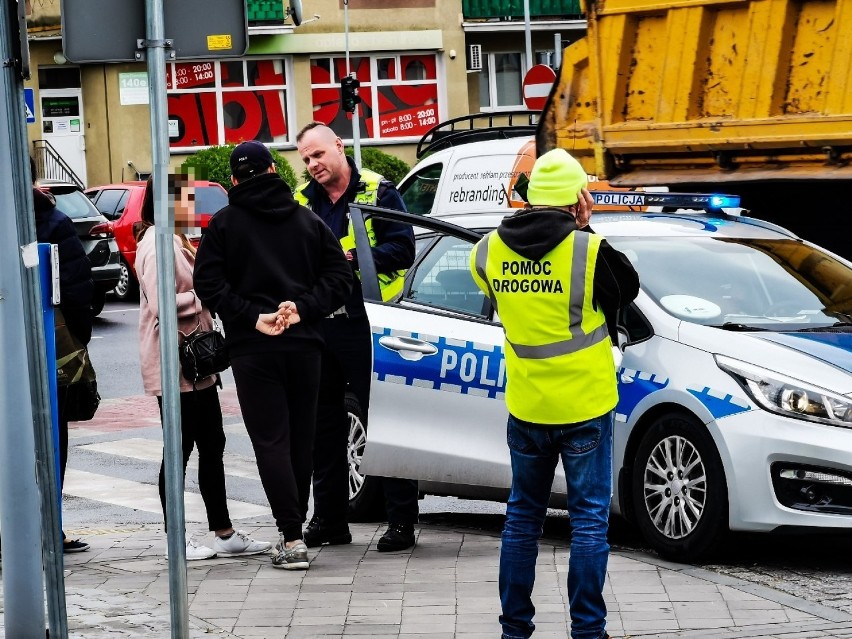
(536, 86)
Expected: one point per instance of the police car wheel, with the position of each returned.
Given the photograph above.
(365, 497)
(679, 491)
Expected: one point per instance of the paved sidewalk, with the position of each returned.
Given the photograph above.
(445, 587)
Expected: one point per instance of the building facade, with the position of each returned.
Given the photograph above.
(419, 62)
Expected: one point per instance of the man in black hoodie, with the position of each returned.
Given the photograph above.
(272, 270)
(557, 287)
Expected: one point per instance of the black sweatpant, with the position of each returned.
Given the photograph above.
(347, 364)
(278, 398)
(201, 426)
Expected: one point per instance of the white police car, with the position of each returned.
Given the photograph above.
(735, 407)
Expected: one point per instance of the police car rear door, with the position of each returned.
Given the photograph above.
(436, 405)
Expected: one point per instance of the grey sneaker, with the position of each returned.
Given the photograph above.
(294, 558)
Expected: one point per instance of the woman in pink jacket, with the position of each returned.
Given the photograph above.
(200, 412)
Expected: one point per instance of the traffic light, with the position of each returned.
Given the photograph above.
(349, 97)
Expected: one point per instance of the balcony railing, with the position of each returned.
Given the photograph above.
(479, 9)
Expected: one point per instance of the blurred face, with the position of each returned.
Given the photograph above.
(184, 202)
(322, 152)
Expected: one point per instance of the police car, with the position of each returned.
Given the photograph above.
(735, 387)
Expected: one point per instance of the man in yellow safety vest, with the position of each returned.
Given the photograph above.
(555, 285)
(347, 364)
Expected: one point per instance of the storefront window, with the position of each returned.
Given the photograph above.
(212, 103)
(399, 95)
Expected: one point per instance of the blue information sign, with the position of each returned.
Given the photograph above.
(29, 105)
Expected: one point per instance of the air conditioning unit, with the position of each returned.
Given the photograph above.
(474, 57)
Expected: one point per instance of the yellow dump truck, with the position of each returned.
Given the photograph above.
(752, 97)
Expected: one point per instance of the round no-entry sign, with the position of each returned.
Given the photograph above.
(536, 86)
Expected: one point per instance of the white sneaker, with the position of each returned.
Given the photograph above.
(239, 545)
(194, 551)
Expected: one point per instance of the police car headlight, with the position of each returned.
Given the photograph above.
(789, 396)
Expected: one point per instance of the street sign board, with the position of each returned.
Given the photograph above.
(536, 86)
(107, 30)
(29, 105)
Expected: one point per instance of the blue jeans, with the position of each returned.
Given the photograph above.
(586, 452)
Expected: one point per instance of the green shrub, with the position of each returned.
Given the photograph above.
(215, 161)
(390, 166)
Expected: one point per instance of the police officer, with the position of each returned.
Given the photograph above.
(347, 359)
(555, 283)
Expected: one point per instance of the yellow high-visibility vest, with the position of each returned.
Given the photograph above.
(559, 363)
(390, 284)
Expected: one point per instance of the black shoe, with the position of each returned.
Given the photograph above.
(322, 533)
(397, 537)
(74, 545)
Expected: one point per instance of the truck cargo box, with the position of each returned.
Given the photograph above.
(707, 91)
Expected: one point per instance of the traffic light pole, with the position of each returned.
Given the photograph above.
(356, 122)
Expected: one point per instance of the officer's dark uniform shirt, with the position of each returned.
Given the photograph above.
(395, 250)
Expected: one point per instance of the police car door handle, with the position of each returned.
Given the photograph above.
(408, 347)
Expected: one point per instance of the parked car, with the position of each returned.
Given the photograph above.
(98, 241)
(735, 409)
(121, 204)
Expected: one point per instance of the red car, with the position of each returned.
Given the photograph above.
(121, 204)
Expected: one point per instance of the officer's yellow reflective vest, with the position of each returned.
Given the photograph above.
(389, 283)
(559, 363)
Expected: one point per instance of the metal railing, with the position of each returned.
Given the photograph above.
(51, 166)
(478, 127)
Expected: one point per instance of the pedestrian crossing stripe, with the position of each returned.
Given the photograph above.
(144, 496)
(151, 450)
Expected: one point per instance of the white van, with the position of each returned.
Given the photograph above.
(475, 176)
(472, 164)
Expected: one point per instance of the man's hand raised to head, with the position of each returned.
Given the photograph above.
(585, 202)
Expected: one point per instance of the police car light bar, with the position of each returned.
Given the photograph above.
(705, 201)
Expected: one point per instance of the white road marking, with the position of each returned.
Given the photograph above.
(141, 496)
(152, 450)
(120, 310)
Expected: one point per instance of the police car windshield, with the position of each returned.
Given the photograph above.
(768, 284)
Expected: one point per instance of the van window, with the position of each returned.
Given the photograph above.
(420, 189)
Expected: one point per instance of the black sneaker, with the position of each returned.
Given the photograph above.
(74, 545)
(397, 537)
(322, 533)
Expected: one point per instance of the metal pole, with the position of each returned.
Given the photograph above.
(557, 51)
(527, 36)
(23, 592)
(164, 243)
(356, 121)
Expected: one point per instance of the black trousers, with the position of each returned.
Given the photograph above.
(201, 426)
(278, 399)
(347, 363)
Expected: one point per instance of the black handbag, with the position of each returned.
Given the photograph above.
(202, 354)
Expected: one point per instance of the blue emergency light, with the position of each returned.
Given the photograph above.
(701, 201)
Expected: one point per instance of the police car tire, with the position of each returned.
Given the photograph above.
(712, 524)
(368, 503)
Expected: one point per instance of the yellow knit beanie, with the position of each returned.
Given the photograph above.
(556, 179)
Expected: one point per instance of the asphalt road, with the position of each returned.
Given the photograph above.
(817, 567)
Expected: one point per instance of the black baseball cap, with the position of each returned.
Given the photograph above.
(249, 159)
